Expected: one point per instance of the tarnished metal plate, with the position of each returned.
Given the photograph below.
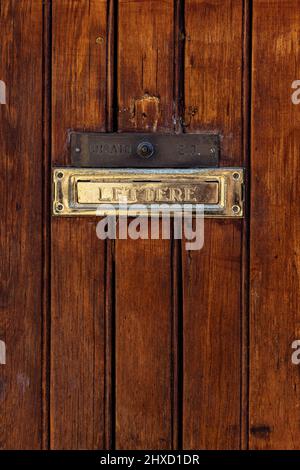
(100, 150)
(87, 191)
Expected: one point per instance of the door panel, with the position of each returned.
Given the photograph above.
(140, 344)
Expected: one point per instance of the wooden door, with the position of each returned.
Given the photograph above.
(140, 344)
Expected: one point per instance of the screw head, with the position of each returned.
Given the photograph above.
(59, 207)
(236, 209)
(60, 175)
(236, 175)
(145, 149)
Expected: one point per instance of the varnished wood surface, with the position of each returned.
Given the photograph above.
(77, 337)
(141, 344)
(77, 369)
(21, 55)
(143, 267)
(213, 72)
(275, 227)
(145, 65)
(212, 276)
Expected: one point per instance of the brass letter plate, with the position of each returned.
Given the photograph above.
(93, 191)
(125, 150)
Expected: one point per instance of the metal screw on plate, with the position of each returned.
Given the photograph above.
(60, 175)
(236, 175)
(145, 149)
(59, 207)
(236, 209)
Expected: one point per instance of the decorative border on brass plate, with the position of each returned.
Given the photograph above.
(221, 190)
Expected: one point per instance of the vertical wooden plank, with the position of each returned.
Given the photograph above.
(145, 66)
(143, 267)
(21, 38)
(143, 344)
(211, 368)
(212, 276)
(79, 71)
(78, 298)
(275, 227)
(213, 72)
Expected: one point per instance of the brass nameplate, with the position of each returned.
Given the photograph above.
(137, 150)
(78, 191)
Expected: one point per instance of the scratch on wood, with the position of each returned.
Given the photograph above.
(145, 112)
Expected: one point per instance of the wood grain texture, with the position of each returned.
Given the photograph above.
(78, 70)
(46, 229)
(77, 336)
(108, 372)
(212, 276)
(21, 220)
(145, 65)
(143, 344)
(213, 72)
(143, 267)
(211, 341)
(78, 258)
(275, 227)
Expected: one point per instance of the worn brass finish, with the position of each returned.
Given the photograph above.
(137, 150)
(80, 191)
